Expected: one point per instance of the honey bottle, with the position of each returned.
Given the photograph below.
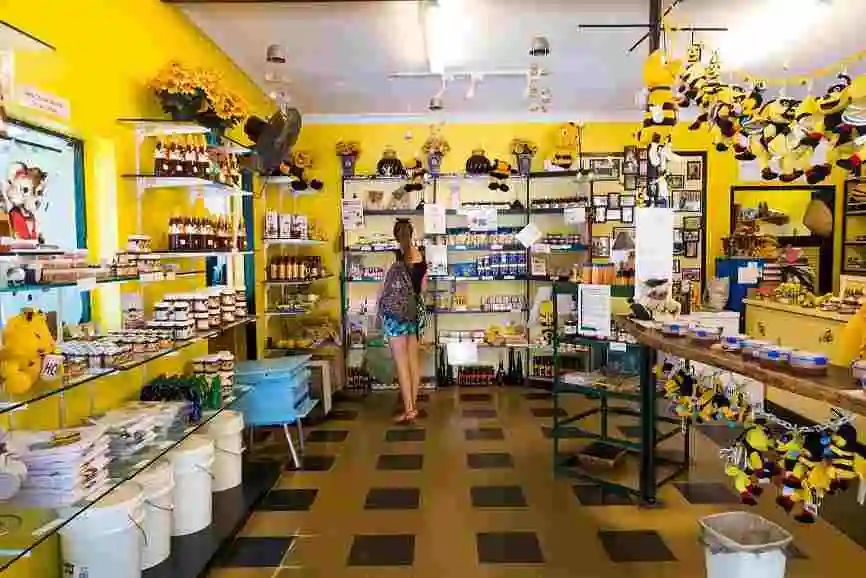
(159, 164)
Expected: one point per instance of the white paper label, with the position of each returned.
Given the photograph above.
(434, 219)
(575, 216)
(594, 310)
(462, 353)
(353, 214)
(483, 219)
(654, 246)
(529, 235)
(51, 365)
(43, 101)
(618, 346)
(437, 260)
(86, 284)
(541, 248)
(749, 275)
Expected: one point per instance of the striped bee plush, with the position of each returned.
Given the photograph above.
(661, 105)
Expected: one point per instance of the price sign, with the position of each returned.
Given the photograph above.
(51, 365)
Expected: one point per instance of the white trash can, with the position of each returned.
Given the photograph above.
(226, 430)
(192, 462)
(106, 540)
(158, 484)
(742, 544)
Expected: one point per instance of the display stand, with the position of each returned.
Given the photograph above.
(604, 446)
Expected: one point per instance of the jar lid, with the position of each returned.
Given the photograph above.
(732, 339)
(809, 357)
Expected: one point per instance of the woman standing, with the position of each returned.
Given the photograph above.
(401, 313)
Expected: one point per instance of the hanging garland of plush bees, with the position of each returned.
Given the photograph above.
(804, 464)
(782, 134)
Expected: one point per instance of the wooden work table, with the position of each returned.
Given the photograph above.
(837, 388)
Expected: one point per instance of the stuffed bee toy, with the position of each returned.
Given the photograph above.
(775, 118)
(545, 321)
(478, 163)
(724, 119)
(838, 134)
(843, 458)
(296, 167)
(690, 76)
(853, 162)
(566, 145)
(807, 481)
(752, 448)
(707, 89)
(416, 172)
(661, 114)
(499, 174)
(803, 140)
(389, 165)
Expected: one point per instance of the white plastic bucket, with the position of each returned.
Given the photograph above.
(106, 540)
(157, 482)
(193, 506)
(742, 544)
(226, 430)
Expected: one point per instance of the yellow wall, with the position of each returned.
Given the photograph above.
(106, 52)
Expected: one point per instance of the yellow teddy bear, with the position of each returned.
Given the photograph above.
(26, 340)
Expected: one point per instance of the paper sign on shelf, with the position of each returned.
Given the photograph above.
(437, 259)
(51, 365)
(541, 248)
(352, 211)
(434, 219)
(483, 219)
(575, 215)
(529, 235)
(748, 275)
(654, 246)
(594, 310)
(462, 353)
(42, 101)
(618, 346)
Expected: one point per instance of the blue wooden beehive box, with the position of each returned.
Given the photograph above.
(280, 390)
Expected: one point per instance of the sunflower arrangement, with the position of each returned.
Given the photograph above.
(198, 94)
(521, 146)
(436, 145)
(223, 108)
(348, 148)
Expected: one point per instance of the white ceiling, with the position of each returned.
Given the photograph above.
(340, 55)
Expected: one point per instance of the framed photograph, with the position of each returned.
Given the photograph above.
(694, 170)
(676, 267)
(613, 200)
(677, 200)
(692, 223)
(642, 154)
(627, 214)
(599, 201)
(691, 200)
(679, 249)
(622, 239)
(605, 167)
(629, 182)
(676, 181)
(691, 249)
(601, 246)
(614, 214)
(627, 201)
(691, 274)
(629, 160)
(599, 215)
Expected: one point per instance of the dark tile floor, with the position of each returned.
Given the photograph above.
(455, 496)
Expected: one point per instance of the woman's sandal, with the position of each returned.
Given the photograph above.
(407, 418)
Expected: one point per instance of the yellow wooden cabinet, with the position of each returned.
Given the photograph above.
(792, 326)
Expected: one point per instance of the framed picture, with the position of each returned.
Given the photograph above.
(623, 239)
(629, 182)
(679, 249)
(691, 200)
(676, 267)
(642, 154)
(627, 201)
(614, 214)
(627, 214)
(641, 168)
(601, 246)
(676, 181)
(613, 200)
(599, 201)
(629, 160)
(605, 167)
(599, 215)
(691, 274)
(692, 223)
(694, 170)
(691, 250)
(677, 200)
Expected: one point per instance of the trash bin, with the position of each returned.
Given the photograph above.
(741, 544)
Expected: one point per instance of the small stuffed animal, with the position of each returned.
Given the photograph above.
(295, 168)
(707, 89)
(478, 163)
(26, 340)
(659, 74)
(389, 165)
(499, 173)
(723, 118)
(803, 140)
(415, 171)
(838, 134)
(690, 76)
(566, 145)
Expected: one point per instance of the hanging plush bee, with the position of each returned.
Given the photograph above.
(837, 133)
(661, 113)
(843, 457)
(803, 141)
(691, 75)
(707, 89)
(499, 173)
(723, 118)
(478, 163)
(752, 463)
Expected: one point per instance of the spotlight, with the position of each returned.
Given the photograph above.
(436, 103)
(276, 54)
(540, 46)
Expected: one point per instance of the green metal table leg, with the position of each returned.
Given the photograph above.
(648, 427)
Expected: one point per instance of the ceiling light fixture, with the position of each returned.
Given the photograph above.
(276, 54)
(540, 46)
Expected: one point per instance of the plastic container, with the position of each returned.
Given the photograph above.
(774, 356)
(750, 347)
(674, 329)
(743, 545)
(106, 540)
(705, 335)
(226, 431)
(808, 363)
(192, 462)
(858, 371)
(157, 482)
(733, 343)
